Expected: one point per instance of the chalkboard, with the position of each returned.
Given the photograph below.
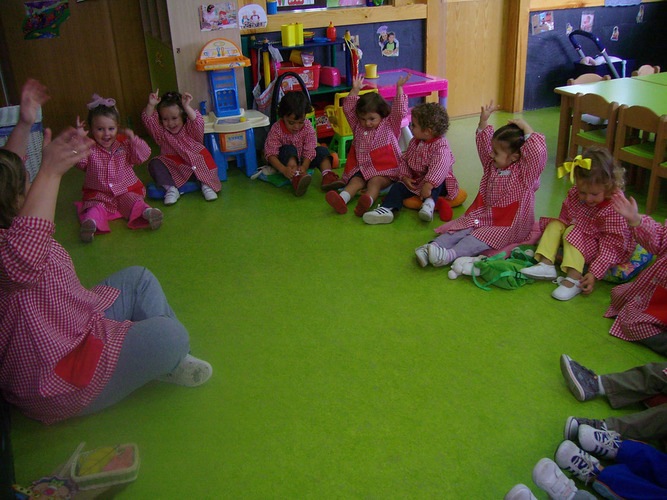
(551, 57)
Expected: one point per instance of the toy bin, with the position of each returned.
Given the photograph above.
(106, 466)
(309, 74)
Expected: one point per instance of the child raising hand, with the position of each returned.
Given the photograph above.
(375, 157)
(179, 131)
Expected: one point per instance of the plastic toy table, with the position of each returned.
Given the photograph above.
(657, 78)
(419, 84)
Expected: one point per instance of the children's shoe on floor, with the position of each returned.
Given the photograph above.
(548, 477)
(208, 192)
(380, 215)
(564, 292)
(300, 183)
(154, 217)
(88, 228)
(171, 196)
(541, 271)
(520, 492)
(422, 255)
(573, 459)
(330, 181)
(583, 383)
(438, 256)
(600, 443)
(363, 205)
(571, 430)
(426, 210)
(190, 373)
(336, 201)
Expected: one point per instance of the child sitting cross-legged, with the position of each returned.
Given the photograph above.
(427, 170)
(291, 146)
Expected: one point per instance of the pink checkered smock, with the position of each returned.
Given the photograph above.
(600, 233)
(57, 350)
(375, 152)
(305, 140)
(503, 212)
(640, 307)
(430, 161)
(184, 153)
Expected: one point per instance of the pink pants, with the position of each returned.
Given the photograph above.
(131, 206)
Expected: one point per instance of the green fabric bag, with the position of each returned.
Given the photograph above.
(502, 272)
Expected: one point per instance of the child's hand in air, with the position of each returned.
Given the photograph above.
(521, 123)
(410, 184)
(402, 80)
(81, 127)
(186, 100)
(627, 208)
(33, 95)
(587, 283)
(154, 98)
(486, 112)
(358, 83)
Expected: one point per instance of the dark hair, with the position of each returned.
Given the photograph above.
(512, 136)
(102, 110)
(433, 116)
(172, 99)
(372, 102)
(605, 170)
(12, 186)
(294, 103)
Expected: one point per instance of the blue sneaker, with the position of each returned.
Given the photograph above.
(583, 383)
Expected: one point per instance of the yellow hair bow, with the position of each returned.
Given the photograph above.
(568, 166)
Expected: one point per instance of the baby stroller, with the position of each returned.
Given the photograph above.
(614, 65)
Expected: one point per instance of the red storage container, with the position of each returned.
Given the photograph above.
(309, 74)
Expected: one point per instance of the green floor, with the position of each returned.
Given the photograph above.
(341, 368)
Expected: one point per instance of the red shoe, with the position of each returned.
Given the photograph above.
(300, 184)
(363, 205)
(336, 201)
(330, 181)
(444, 209)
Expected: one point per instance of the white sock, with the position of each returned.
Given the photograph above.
(346, 197)
(600, 386)
(325, 172)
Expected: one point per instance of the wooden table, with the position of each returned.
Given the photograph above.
(659, 78)
(629, 91)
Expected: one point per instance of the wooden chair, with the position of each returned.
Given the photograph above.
(587, 78)
(640, 140)
(595, 106)
(646, 69)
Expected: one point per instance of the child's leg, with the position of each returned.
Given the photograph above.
(384, 214)
(288, 155)
(324, 161)
(573, 260)
(373, 188)
(465, 245)
(428, 205)
(550, 242)
(138, 213)
(94, 218)
(160, 173)
(339, 201)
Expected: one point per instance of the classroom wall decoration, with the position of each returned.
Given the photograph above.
(289, 5)
(544, 21)
(587, 19)
(252, 16)
(218, 16)
(44, 17)
(388, 42)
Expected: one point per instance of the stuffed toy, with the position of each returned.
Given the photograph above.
(464, 265)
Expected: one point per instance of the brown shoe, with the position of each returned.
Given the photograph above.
(88, 229)
(363, 205)
(300, 184)
(330, 181)
(336, 201)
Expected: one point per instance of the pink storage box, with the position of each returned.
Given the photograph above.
(329, 76)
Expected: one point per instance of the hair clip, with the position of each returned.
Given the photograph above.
(101, 101)
(568, 166)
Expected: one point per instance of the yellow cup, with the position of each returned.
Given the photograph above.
(371, 70)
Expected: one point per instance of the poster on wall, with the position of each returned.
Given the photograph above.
(544, 21)
(387, 41)
(218, 16)
(252, 16)
(587, 19)
(43, 18)
(289, 5)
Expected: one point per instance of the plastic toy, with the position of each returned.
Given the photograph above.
(587, 64)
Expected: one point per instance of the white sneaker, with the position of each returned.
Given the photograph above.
(540, 271)
(601, 443)
(437, 256)
(422, 255)
(426, 211)
(564, 292)
(154, 217)
(190, 373)
(520, 492)
(548, 476)
(573, 459)
(171, 196)
(380, 215)
(209, 194)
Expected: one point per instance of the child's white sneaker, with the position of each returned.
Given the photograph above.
(548, 476)
(600, 442)
(426, 211)
(438, 256)
(380, 215)
(520, 492)
(154, 217)
(422, 255)
(208, 192)
(540, 271)
(566, 292)
(573, 459)
(191, 372)
(171, 196)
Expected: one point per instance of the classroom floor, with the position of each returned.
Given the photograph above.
(341, 368)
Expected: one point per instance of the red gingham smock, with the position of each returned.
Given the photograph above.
(184, 153)
(57, 350)
(504, 210)
(109, 173)
(430, 161)
(640, 307)
(305, 140)
(600, 233)
(375, 152)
